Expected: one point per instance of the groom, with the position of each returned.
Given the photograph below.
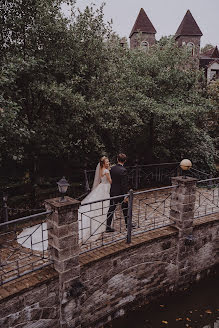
(119, 187)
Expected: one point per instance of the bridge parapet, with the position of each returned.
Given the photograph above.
(96, 286)
(64, 248)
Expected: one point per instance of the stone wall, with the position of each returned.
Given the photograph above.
(206, 243)
(112, 280)
(87, 290)
(137, 38)
(133, 275)
(184, 40)
(118, 282)
(31, 301)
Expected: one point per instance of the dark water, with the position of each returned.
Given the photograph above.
(197, 307)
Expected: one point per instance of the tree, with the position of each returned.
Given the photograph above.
(55, 72)
(206, 48)
(213, 93)
(171, 105)
(34, 42)
(70, 91)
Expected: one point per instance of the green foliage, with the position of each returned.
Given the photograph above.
(69, 90)
(206, 48)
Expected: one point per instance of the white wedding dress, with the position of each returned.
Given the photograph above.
(92, 217)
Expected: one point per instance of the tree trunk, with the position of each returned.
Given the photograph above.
(150, 156)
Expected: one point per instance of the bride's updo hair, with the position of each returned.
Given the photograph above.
(102, 161)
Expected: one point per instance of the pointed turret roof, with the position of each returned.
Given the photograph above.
(215, 53)
(143, 24)
(211, 53)
(188, 26)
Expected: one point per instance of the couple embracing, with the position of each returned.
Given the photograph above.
(95, 215)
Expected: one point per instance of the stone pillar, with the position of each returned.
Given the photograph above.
(64, 250)
(182, 213)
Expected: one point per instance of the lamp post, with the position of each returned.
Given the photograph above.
(185, 165)
(63, 186)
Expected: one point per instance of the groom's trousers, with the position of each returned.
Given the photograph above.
(113, 204)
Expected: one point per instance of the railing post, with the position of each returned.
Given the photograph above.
(129, 219)
(178, 171)
(5, 208)
(136, 176)
(64, 249)
(87, 187)
(182, 209)
(210, 182)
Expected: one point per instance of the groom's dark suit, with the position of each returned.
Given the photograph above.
(119, 187)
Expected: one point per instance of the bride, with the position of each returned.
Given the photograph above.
(91, 217)
(92, 213)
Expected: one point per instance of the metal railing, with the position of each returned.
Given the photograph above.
(207, 197)
(23, 242)
(140, 176)
(145, 211)
(92, 220)
(194, 173)
(152, 209)
(23, 246)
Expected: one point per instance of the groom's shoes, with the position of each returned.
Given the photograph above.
(109, 229)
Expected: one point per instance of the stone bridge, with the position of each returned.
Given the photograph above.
(91, 288)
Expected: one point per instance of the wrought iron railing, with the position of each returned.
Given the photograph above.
(207, 197)
(200, 175)
(151, 209)
(145, 211)
(140, 176)
(23, 246)
(92, 220)
(23, 242)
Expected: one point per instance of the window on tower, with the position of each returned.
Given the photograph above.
(191, 48)
(144, 45)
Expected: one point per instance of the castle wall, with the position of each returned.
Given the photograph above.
(137, 38)
(122, 277)
(135, 276)
(92, 288)
(31, 301)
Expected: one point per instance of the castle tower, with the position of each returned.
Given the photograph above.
(146, 37)
(215, 53)
(189, 34)
(209, 61)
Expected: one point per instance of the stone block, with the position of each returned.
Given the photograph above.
(66, 218)
(69, 275)
(58, 254)
(187, 215)
(4, 322)
(36, 295)
(187, 224)
(50, 301)
(49, 313)
(174, 214)
(12, 306)
(70, 229)
(186, 207)
(17, 318)
(67, 264)
(186, 199)
(62, 243)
